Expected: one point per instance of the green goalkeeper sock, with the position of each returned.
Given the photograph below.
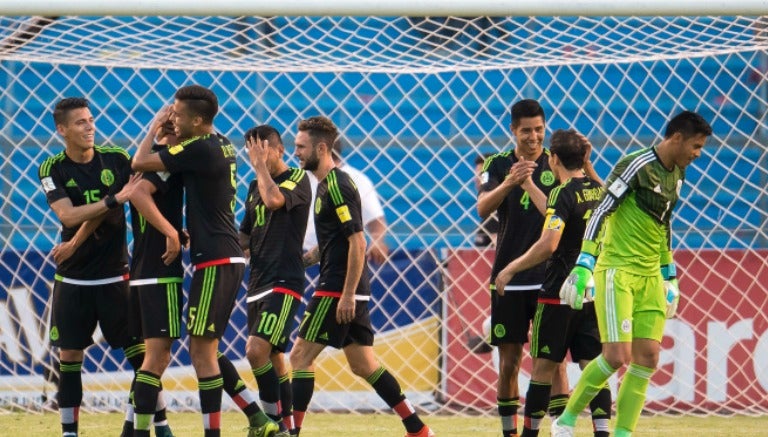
(592, 380)
(631, 398)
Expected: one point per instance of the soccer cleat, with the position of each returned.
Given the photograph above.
(558, 430)
(269, 429)
(425, 432)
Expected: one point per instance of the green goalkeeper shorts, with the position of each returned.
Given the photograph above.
(629, 306)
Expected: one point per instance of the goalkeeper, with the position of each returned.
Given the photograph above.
(635, 281)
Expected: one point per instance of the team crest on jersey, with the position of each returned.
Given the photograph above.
(175, 150)
(484, 178)
(107, 177)
(318, 205)
(48, 184)
(547, 177)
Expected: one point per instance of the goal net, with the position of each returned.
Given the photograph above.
(417, 99)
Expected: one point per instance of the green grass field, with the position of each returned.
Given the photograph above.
(377, 425)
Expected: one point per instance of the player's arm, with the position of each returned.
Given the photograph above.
(669, 272)
(244, 240)
(145, 205)
(64, 250)
(580, 278)
(270, 193)
(71, 216)
(541, 250)
(489, 201)
(144, 159)
(355, 264)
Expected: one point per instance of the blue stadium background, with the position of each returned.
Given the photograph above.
(426, 184)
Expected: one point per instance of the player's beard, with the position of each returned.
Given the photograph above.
(312, 162)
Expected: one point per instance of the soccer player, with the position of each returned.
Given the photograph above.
(272, 230)
(635, 282)
(374, 221)
(157, 279)
(207, 165)
(337, 315)
(85, 186)
(556, 327)
(520, 210)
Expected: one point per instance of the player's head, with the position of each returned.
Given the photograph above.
(275, 148)
(314, 141)
(567, 149)
(528, 126)
(687, 132)
(193, 111)
(75, 123)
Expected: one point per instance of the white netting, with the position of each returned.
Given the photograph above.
(416, 99)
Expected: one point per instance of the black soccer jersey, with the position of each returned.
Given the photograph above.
(276, 237)
(208, 168)
(148, 242)
(337, 216)
(519, 220)
(104, 253)
(569, 206)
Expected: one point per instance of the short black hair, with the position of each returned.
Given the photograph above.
(689, 124)
(526, 108)
(200, 101)
(265, 132)
(569, 148)
(320, 129)
(63, 107)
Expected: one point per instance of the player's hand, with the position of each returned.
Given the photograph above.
(579, 284)
(172, 249)
(125, 193)
(62, 252)
(257, 150)
(163, 116)
(671, 288)
(378, 251)
(184, 238)
(587, 146)
(502, 279)
(519, 172)
(345, 310)
(166, 134)
(672, 292)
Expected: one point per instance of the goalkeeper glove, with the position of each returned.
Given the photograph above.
(671, 288)
(579, 283)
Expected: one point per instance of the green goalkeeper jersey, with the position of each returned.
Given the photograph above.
(630, 228)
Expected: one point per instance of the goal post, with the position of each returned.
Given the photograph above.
(417, 98)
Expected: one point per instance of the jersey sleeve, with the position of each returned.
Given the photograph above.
(247, 224)
(51, 181)
(491, 176)
(559, 207)
(295, 189)
(620, 183)
(188, 156)
(346, 203)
